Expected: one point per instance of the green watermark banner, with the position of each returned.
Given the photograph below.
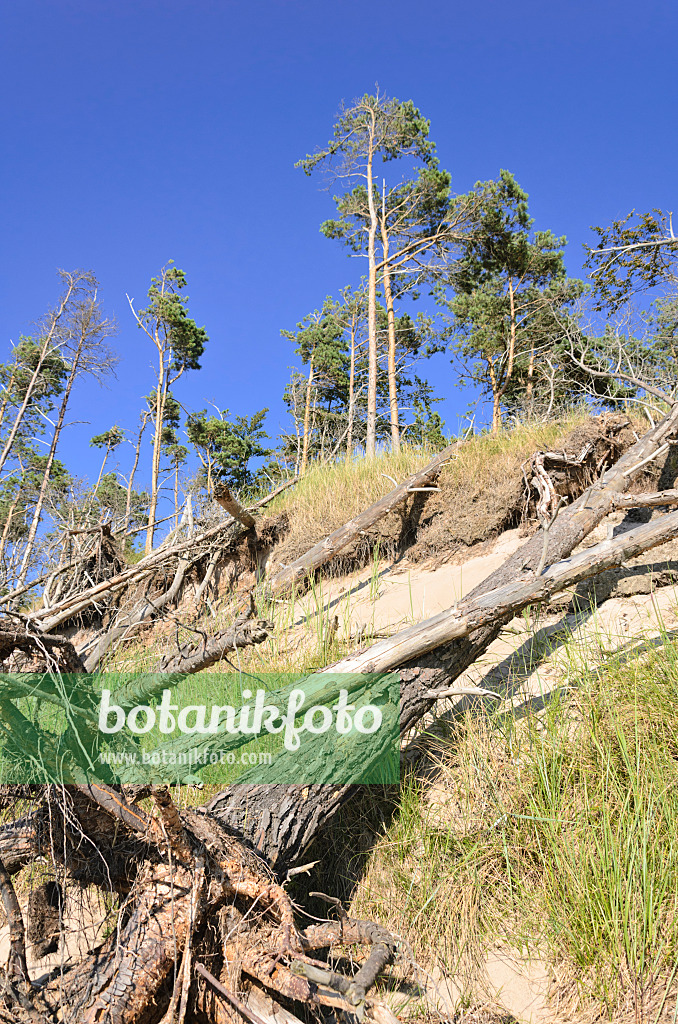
(210, 728)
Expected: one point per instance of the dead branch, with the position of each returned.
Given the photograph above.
(223, 497)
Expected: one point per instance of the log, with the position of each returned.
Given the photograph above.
(281, 820)
(653, 499)
(128, 620)
(344, 535)
(223, 497)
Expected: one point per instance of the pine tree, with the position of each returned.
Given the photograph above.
(179, 344)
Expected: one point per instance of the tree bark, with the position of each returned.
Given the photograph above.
(371, 433)
(137, 451)
(390, 314)
(282, 820)
(30, 541)
(351, 395)
(223, 496)
(307, 418)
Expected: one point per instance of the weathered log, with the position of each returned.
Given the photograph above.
(281, 822)
(652, 499)
(188, 659)
(344, 535)
(223, 497)
(128, 620)
(160, 923)
(30, 640)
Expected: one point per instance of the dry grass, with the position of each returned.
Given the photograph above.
(481, 494)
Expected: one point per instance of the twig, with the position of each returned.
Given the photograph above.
(228, 996)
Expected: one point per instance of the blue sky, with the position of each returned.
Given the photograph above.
(135, 132)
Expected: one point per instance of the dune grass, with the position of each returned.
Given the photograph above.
(330, 495)
(555, 835)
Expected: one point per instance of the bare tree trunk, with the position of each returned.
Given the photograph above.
(371, 435)
(499, 391)
(341, 538)
(30, 541)
(8, 392)
(530, 380)
(351, 396)
(307, 418)
(101, 471)
(160, 398)
(137, 450)
(8, 524)
(390, 314)
(223, 496)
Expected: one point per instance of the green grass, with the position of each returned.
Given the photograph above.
(555, 835)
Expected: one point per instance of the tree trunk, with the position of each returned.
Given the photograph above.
(160, 397)
(50, 461)
(282, 820)
(498, 390)
(223, 496)
(530, 380)
(341, 538)
(137, 451)
(8, 392)
(372, 355)
(351, 395)
(307, 418)
(8, 524)
(390, 314)
(56, 316)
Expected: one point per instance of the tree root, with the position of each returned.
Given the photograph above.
(200, 908)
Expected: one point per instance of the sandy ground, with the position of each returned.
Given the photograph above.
(390, 597)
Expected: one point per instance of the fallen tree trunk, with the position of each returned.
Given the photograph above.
(51, 618)
(223, 497)
(342, 537)
(281, 821)
(128, 620)
(192, 868)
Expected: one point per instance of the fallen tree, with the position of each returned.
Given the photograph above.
(189, 883)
